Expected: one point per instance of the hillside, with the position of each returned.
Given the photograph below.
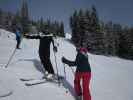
(111, 76)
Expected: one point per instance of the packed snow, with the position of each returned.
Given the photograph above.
(68, 36)
(111, 76)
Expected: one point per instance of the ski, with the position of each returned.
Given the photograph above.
(24, 79)
(59, 81)
(32, 81)
(7, 94)
(35, 82)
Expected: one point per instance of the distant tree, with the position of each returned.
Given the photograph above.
(3, 20)
(88, 20)
(41, 25)
(54, 27)
(95, 27)
(33, 22)
(126, 43)
(8, 22)
(102, 26)
(123, 45)
(80, 13)
(82, 20)
(117, 30)
(74, 24)
(62, 34)
(25, 17)
(47, 25)
(131, 43)
(109, 40)
(1, 12)
(33, 30)
(16, 22)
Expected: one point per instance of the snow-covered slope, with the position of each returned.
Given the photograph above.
(7, 45)
(6, 34)
(111, 76)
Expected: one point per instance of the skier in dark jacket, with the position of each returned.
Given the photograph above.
(83, 71)
(44, 51)
(18, 38)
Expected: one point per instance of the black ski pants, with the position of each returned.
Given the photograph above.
(45, 60)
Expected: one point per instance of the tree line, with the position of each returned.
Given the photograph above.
(21, 20)
(100, 37)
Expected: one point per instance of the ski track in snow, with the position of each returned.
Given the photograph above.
(111, 76)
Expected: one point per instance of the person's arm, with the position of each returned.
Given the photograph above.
(70, 63)
(33, 36)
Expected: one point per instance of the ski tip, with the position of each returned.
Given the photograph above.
(8, 94)
(28, 84)
(22, 79)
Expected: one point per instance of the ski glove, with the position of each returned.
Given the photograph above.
(70, 63)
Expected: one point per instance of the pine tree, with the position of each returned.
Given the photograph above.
(62, 30)
(16, 22)
(1, 12)
(126, 42)
(41, 25)
(95, 27)
(9, 19)
(108, 38)
(117, 30)
(47, 25)
(25, 17)
(81, 27)
(131, 44)
(123, 45)
(88, 20)
(74, 27)
(3, 20)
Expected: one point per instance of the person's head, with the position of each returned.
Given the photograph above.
(17, 30)
(83, 50)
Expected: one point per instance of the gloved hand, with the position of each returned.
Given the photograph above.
(55, 49)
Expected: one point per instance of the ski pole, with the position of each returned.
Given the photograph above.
(57, 69)
(10, 58)
(72, 71)
(64, 71)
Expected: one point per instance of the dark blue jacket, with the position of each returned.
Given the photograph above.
(81, 62)
(18, 35)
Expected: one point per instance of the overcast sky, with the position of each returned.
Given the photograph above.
(118, 11)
